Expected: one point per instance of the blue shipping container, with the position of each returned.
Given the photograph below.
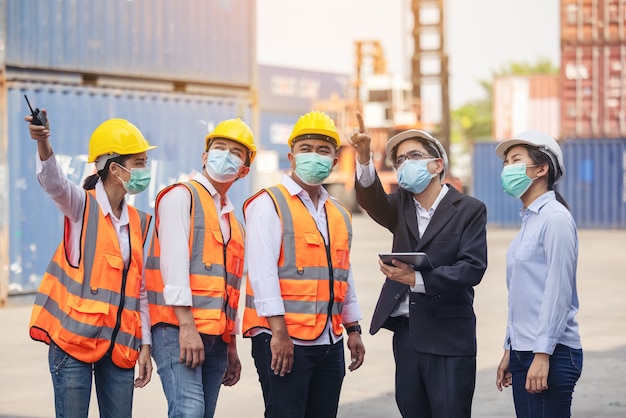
(290, 90)
(594, 184)
(195, 40)
(275, 129)
(176, 123)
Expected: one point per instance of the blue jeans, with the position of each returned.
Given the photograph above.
(565, 368)
(312, 388)
(72, 386)
(190, 392)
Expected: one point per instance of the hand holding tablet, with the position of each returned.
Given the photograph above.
(419, 261)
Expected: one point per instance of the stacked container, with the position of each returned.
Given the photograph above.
(593, 68)
(174, 70)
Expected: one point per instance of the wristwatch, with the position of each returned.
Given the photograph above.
(353, 328)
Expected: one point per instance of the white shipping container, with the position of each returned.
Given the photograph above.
(521, 103)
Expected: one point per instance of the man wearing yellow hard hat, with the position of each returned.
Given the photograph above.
(300, 291)
(91, 307)
(194, 272)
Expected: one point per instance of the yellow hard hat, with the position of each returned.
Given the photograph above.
(116, 136)
(315, 125)
(235, 130)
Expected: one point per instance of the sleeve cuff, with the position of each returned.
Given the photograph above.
(177, 296)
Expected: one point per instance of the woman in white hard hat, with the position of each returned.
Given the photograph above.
(91, 307)
(542, 350)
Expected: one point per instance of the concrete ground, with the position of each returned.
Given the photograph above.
(26, 390)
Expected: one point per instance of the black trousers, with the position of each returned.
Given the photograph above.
(312, 388)
(428, 385)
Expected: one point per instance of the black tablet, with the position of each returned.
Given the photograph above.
(419, 261)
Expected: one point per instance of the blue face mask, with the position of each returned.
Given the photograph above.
(223, 166)
(313, 168)
(514, 180)
(138, 181)
(413, 175)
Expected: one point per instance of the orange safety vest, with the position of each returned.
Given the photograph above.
(92, 309)
(313, 277)
(214, 288)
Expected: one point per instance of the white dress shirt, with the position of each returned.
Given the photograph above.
(264, 235)
(174, 222)
(70, 199)
(365, 174)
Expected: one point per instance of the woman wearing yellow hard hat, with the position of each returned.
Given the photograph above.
(91, 307)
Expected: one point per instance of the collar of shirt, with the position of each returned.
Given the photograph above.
(103, 200)
(294, 189)
(537, 204)
(227, 204)
(429, 213)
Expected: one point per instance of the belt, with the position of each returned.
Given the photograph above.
(394, 323)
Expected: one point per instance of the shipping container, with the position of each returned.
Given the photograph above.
(593, 22)
(177, 123)
(291, 90)
(526, 102)
(593, 91)
(594, 185)
(195, 41)
(274, 131)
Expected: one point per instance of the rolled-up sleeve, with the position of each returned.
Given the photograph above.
(263, 240)
(174, 222)
(351, 311)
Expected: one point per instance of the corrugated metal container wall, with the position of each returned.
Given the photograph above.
(594, 185)
(593, 97)
(592, 21)
(502, 209)
(290, 90)
(275, 130)
(176, 123)
(195, 40)
(526, 102)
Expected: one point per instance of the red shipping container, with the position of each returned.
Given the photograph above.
(593, 93)
(593, 22)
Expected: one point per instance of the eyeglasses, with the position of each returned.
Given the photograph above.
(411, 155)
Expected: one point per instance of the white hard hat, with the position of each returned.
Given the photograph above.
(543, 142)
(417, 134)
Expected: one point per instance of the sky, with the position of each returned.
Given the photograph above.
(481, 36)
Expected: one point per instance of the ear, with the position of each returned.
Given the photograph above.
(439, 163)
(335, 161)
(205, 157)
(243, 171)
(543, 170)
(292, 160)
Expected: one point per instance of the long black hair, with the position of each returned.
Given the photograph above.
(90, 182)
(540, 157)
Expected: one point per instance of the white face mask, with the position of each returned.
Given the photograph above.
(223, 166)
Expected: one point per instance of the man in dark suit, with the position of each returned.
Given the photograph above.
(430, 311)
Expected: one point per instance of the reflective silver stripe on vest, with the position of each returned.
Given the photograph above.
(289, 268)
(197, 267)
(85, 330)
(295, 306)
(84, 291)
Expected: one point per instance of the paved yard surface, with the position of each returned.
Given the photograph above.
(26, 390)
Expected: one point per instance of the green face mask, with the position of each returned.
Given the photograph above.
(313, 168)
(514, 180)
(139, 180)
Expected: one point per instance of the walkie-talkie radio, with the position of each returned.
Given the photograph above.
(39, 118)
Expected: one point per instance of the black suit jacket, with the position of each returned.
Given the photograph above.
(442, 321)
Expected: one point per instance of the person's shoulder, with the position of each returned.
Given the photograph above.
(463, 198)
